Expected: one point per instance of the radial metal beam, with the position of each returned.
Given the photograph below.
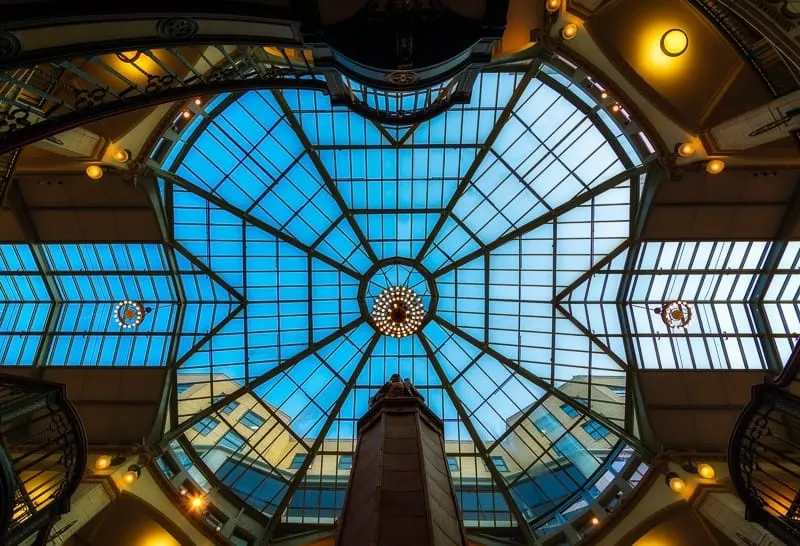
(479, 157)
(544, 385)
(323, 172)
(497, 477)
(248, 388)
(297, 479)
(596, 340)
(249, 218)
(576, 201)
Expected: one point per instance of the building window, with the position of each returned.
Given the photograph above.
(571, 412)
(619, 391)
(230, 407)
(345, 462)
(452, 462)
(546, 423)
(205, 426)
(252, 420)
(231, 440)
(183, 387)
(595, 430)
(499, 463)
(297, 461)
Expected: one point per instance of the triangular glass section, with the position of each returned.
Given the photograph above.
(214, 236)
(390, 179)
(593, 304)
(462, 297)
(207, 305)
(216, 368)
(334, 296)
(470, 124)
(327, 125)
(452, 242)
(393, 235)
(243, 151)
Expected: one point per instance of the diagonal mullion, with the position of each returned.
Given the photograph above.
(463, 185)
(206, 270)
(548, 388)
(323, 172)
(588, 333)
(208, 335)
(575, 202)
(497, 477)
(334, 412)
(248, 388)
(257, 222)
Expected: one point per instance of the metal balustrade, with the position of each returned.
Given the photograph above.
(764, 455)
(757, 49)
(7, 163)
(42, 458)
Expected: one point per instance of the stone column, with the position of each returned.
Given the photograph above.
(400, 489)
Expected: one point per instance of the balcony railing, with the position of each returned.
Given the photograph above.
(42, 458)
(764, 456)
(7, 163)
(780, 76)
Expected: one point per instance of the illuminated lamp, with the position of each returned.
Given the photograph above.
(122, 156)
(706, 471)
(95, 172)
(552, 5)
(132, 474)
(715, 166)
(569, 31)
(675, 482)
(102, 462)
(686, 149)
(674, 42)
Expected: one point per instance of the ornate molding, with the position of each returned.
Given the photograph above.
(10, 46)
(177, 28)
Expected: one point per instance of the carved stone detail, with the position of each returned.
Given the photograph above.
(10, 45)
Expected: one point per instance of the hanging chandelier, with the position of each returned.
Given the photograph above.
(130, 314)
(676, 314)
(398, 311)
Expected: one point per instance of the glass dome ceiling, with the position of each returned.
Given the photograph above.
(511, 217)
(493, 213)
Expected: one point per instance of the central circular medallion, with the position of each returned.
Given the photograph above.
(398, 311)
(398, 296)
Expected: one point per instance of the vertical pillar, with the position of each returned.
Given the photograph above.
(400, 491)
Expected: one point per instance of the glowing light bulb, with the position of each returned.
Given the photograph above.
(95, 172)
(569, 31)
(706, 471)
(715, 166)
(102, 462)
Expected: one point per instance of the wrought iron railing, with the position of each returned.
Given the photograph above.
(7, 163)
(42, 458)
(54, 96)
(764, 454)
(767, 60)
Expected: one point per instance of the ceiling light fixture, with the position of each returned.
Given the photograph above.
(706, 471)
(95, 172)
(102, 462)
(186, 114)
(715, 166)
(129, 313)
(674, 42)
(615, 108)
(603, 95)
(676, 315)
(398, 311)
(569, 31)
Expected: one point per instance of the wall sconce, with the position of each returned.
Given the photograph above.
(715, 166)
(675, 482)
(95, 172)
(704, 470)
(685, 149)
(569, 31)
(106, 461)
(122, 156)
(132, 474)
(552, 5)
